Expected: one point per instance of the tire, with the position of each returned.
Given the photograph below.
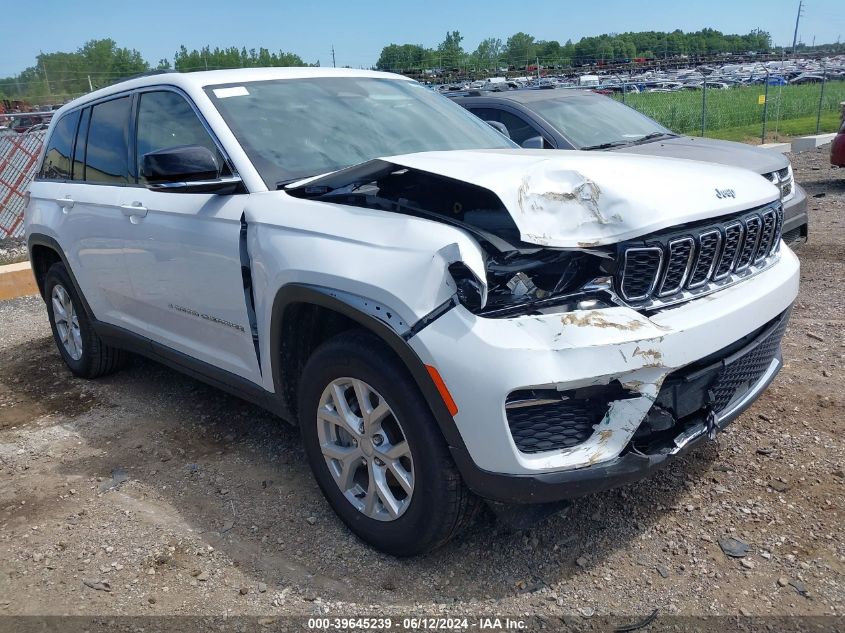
(82, 350)
(439, 505)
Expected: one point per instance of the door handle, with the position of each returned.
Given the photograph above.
(65, 203)
(134, 210)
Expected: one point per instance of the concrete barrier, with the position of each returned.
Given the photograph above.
(806, 143)
(783, 148)
(17, 280)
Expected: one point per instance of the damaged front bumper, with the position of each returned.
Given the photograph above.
(655, 386)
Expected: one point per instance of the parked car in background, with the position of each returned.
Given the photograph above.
(837, 147)
(446, 316)
(21, 124)
(579, 119)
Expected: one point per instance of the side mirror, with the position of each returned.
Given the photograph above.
(186, 169)
(535, 142)
(499, 127)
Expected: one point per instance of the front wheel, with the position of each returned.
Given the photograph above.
(375, 448)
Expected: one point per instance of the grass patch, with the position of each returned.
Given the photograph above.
(791, 127)
(735, 114)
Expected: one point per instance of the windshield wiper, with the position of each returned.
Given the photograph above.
(607, 145)
(284, 183)
(651, 137)
(636, 141)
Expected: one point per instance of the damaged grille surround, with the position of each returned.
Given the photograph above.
(684, 263)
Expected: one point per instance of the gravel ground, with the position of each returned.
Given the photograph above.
(187, 501)
(12, 250)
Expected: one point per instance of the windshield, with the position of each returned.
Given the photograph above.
(295, 128)
(594, 120)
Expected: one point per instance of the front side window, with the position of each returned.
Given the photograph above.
(107, 154)
(166, 119)
(295, 128)
(519, 129)
(57, 157)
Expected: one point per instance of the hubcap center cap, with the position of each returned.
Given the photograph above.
(367, 447)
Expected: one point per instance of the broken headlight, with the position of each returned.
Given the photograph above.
(521, 282)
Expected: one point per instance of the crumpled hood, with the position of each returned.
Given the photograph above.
(758, 159)
(570, 198)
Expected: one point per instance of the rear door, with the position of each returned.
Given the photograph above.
(183, 250)
(85, 169)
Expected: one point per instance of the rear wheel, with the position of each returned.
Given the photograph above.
(80, 347)
(375, 448)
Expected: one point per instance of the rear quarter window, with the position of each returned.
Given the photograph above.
(57, 156)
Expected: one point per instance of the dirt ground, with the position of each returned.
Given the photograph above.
(183, 500)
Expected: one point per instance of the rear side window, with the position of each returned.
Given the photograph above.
(79, 148)
(107, 153)
(166, 119)
(57, 157)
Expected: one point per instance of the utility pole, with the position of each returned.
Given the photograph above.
(333, 62)
(44, 69)
(90, 85)
(797, 19)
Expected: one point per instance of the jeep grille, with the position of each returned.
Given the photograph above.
(684, 262)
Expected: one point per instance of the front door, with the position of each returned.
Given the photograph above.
(183, 250)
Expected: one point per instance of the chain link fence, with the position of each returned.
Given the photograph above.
(762, 112)
(18, 155)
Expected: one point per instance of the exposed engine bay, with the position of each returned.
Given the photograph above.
(521, 278)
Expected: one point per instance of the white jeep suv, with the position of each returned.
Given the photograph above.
(447, 317)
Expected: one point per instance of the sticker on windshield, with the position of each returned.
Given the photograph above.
(225, 93)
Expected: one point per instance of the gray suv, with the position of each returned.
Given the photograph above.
(581, 119)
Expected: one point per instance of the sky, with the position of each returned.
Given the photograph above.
(358, 29)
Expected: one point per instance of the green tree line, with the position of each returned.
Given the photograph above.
(56, 77)
(522, 49)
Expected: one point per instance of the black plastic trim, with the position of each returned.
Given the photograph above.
(39, 239)
(301, 293)
(122, 338)
(249, 293)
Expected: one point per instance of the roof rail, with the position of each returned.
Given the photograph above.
(158, 71)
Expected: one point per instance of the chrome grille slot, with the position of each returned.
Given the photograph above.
(677, 266)
(778, 230)
(730, 249)
(680, 264)
(749, 245)
(709, 246)
(767, 232)
(641, 267)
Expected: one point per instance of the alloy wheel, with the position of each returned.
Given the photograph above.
(365, 449)
(67, 322)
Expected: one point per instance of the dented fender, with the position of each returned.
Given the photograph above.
(394, 260)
